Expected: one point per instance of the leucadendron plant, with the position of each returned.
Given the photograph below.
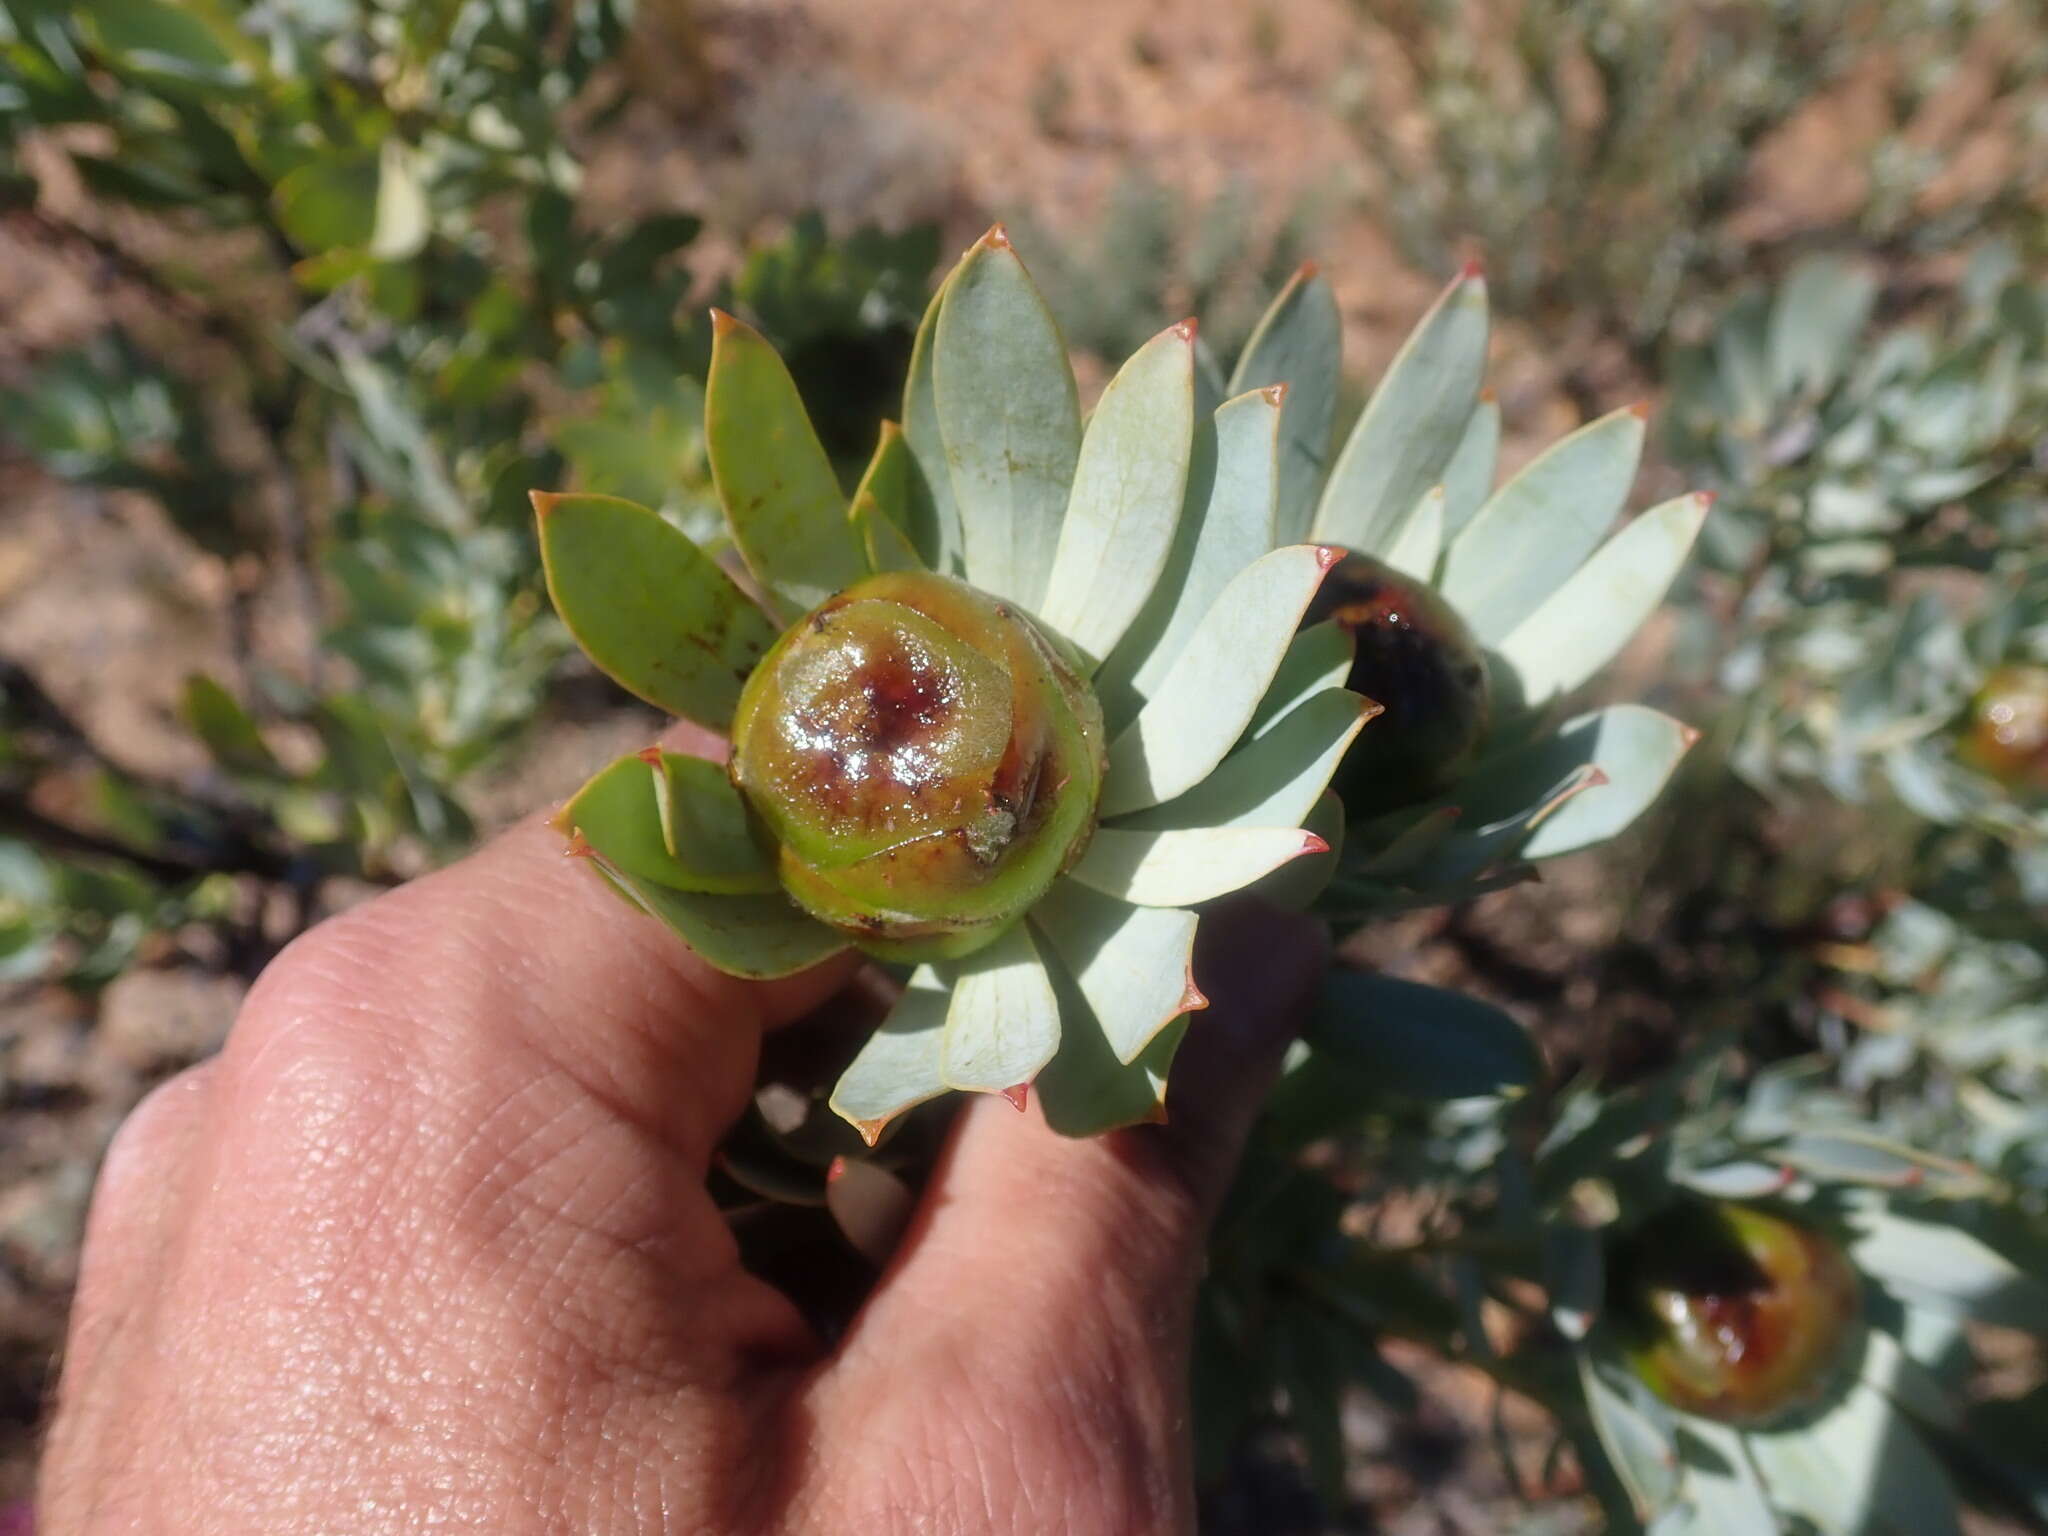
(1014, 712)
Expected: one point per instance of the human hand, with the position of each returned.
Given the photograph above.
(428, 1247)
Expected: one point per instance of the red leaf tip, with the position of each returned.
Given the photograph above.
(1187, 328)
(1192, 998)
(1488, 395)
(1689, 734)
(543, 501)
(997, 237)
(1596, 776)
(1640, 410)
(722, 323)
(1328, 555)
(579, 847)
(1706, 498)
(1473, 267)
(1018, 1096)
(1308, 270)
(1276, 394)
(836, 1170)
(1310, 843)
(651, 756)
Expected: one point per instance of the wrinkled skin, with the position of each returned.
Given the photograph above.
(429, 1247)
(2005, 736)
(1417, 659)
(1735, 1314)
(926, 759)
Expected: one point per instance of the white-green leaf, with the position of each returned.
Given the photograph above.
(1816, 322)
(1208, 697)
(898, 1068)
(1412, 424)
(1004, 1023)
(1887, 1368)
(1318, 658)
(1722, 1483)
(1537, 529)
(1635, 750)
(1132, 964)
(1641, 1455)
(1468, 478)
(1942, 1266)
(1182, 868)
(1128, 486)
(1226, 523)
(758, 937)
(403, 220)
(1085, 1090)
(932, 519)
(1418, 542)
(1298, 343)
(1581, 626)
(1274, 779)
(1858, 1466)
(1009, 418)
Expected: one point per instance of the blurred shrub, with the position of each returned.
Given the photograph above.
(1594, 152)
(378, 320)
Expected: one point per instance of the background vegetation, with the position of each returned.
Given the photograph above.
(297, 300)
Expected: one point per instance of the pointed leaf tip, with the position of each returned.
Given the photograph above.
(1640, 410)
(835, 1170)
(1328, 555)
(1369, 709)
(1706, 498)
(1689, 734)
(1187, 328)
(722, 323)
(1276, 394)
(1307, 271)
(1489, 395)
(543, 501)
(1310, 843)
(998, 237)
(1193, 999)
(1473, 268)
(651, 756)
(1019, 1096)
(578, 847)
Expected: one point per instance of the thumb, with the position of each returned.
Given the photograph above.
(1040, 1259)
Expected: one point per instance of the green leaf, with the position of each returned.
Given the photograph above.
(756, 937)
(1468, 478)
(1226, 524)
(1418, 542)
(882, 505)
(189, 41)
(1128, 486)
(1275, 779)
(933, 518)
(898, 1068)
(1412, 424)
(675, 821)
(1004, 1023)
(1420, 1042)
(329, 204)
(781, 499)
(1132, 964)
(1009, 418)
(1298, 343)
(1581, 626)
(1208, 697)
(650, 608)
(1536, 529)
(228, 732)
(704, 826)
(1318, 659)
(1183, 868)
